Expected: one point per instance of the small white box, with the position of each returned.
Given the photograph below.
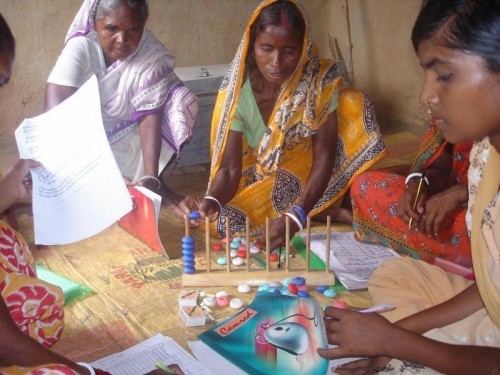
(192, 316)
(188, 298)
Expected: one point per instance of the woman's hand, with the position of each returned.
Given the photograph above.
(440, 206)
(405, 209)
(16, 185)
(355, 334)
(277, 232)
(362, 366)
(206, 208)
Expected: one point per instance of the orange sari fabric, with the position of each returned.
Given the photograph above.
(375, 196)
(34, 305)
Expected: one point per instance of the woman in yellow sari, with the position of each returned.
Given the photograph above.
(286, 140)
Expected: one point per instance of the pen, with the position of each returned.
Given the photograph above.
(419, 189)
(164, 367)
(379, 308)
(208, 314)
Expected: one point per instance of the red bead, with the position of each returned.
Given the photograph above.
(292, 288)
(242, 253)
(273, 257)
(340, 305)
(217, 247)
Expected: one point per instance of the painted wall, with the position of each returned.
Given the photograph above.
(205, 32)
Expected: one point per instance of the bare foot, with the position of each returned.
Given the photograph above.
(337, 215)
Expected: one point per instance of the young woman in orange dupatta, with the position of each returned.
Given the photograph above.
(442, 321)
(286, 140)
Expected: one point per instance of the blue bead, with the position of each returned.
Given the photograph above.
(330, 293)
(321, 288)
(222, 261)
(299, 281)
(187, 246)
(188, 252)
(303, 293)
(187, 239)
(264, 287)
(188, 270)
(194, 215)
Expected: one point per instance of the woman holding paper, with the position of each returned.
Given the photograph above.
(147, 112)
(31, 310)
(443, 321)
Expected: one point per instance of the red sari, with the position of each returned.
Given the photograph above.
(375, 196)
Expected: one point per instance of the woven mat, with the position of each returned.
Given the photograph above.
(136, 289)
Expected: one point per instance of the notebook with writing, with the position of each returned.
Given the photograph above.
(274, 334)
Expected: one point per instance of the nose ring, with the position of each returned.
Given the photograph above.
(428, 105)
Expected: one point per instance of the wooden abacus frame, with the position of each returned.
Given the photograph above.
(234, 277)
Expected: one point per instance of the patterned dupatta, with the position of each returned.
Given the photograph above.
(432, 145)
(483, 222)
(302, 105)
(142, 84)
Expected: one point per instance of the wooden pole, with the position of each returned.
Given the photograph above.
(287, 243)
(328, 227)
(268, 245)
(247, 238)
(207, 242)
(186, 226)
(308, 243)
(228, 243)
(350, 69)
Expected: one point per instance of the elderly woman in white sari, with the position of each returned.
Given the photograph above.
(147, 112)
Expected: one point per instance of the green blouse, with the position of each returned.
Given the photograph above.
(247, 117)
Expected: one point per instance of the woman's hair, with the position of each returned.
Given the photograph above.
(102, 7)
(7, 43)
(277, 14)
(472, 26)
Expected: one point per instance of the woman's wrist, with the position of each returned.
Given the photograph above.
(215, 201)
(294, 220)
(151, 182)
(89, 368)
(416, 177)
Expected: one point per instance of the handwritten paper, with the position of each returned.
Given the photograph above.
(79, 190)
(141, 358)
(353, 262)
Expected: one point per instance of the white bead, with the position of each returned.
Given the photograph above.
(209, 301)
(244, 288)
(275, 284)
(236, 303)
(254, 250)
(238, 261)
(221, 293)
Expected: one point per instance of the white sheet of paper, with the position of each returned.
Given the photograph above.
(79, 191)
(353, 262)
(213, 360)
(141, 358)
(220, 365)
